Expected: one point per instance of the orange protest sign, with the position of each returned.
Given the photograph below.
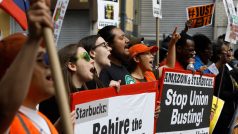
(200, 15)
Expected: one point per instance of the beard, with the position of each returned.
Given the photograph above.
(120, 56)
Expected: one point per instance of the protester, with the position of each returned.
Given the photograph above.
(32, 78)
(100, 51)
(225, 85)
(185, 51)
(77, 68)
(142, 58)
(203, 48)
(119, 56)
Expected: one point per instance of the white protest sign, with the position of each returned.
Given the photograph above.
(108, 13)
(103, 111)
(58, 17)
(229, 7)
(157, 11)
(232, 27)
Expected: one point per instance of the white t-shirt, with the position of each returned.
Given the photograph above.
(36, 119)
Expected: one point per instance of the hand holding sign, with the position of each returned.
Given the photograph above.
(188, 24)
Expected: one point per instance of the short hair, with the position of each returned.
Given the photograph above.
(201, 42)
(221, 37)
(217, 47)
(106, 33)
(183, 40)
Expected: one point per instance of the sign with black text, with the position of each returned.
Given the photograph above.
(185, 103)
(200, 15)
(157, 12)
(108, 13)
(104, 111)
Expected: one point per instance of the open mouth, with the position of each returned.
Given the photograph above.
(49, 78)
(127, 46)
(92, 70)
(109, 56)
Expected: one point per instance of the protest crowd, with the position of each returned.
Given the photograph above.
(111, 58)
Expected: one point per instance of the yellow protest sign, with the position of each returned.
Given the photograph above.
(217, 105)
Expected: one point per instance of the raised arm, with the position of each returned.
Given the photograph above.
(15, 82)
(171, 58)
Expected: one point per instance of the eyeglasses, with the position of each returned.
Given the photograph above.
(44, 60)
(84, 56)
(104, 44)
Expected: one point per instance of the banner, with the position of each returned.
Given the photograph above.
(108, 13)
(157, 11)
(232, 26)
(200, 15)
(58, 17)
(185, 103)
(104, 111)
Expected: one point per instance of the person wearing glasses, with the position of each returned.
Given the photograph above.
(26, 77)
(226, 87)
(100, 51)
(77, 68)
(119, 56)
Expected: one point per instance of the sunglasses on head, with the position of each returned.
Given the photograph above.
(84, 56)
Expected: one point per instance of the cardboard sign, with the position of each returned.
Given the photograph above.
(232, 26)
(108, 13)
(157, 12)
(185, 103)
(58, 17)
(103, 111)
(200, 15)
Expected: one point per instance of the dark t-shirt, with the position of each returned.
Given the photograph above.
(116, 73)
(50, 109)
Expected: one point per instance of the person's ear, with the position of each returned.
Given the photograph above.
(72, 66)
(136, 59)
(92, 54)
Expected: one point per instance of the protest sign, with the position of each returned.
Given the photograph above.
(200, 15)
(102, 111)
(229, 8)
(157, 12)
(108, 13)
(185, 103)
(58, 17)
(217, 105)
(232, 26)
